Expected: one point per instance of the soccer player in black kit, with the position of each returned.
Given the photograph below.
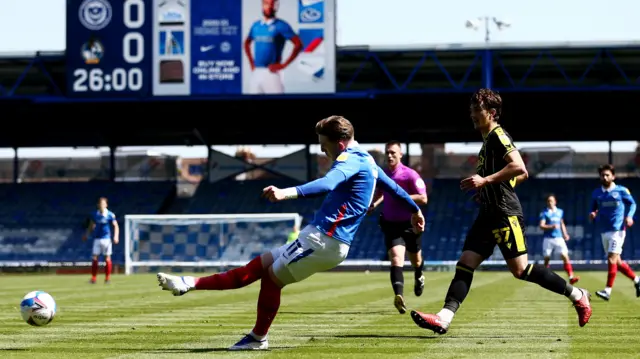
(500, 220)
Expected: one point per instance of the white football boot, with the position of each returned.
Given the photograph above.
(177, 285)
(249, 342)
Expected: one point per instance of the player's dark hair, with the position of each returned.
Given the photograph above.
(607, 167)
(393, 143)
(335, 128)
(488, 99)
(103, 199)
(550, 195)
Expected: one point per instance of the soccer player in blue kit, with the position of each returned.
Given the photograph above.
(270, 35)
(608, 211)
(100, 229)
(349, 186)
(555, 236)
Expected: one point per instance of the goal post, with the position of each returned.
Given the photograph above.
(202, 240)
(199, 242)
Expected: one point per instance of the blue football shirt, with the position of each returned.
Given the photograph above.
(610, 204)
(550, 217)
(103, 224)
(269, 39)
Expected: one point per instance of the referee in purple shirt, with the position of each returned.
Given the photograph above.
(395, 223)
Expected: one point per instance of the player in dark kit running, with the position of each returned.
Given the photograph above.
(500, 220)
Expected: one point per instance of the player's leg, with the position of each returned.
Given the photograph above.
(95, 252)
(414, 251)
(255, 85)
(396, 257)
(272, 83)
(268, 306)
(512, 243)
(231, 279)
(311, 253)
(547, 249)
(623, 267)
(395, 244)
(477, 247)
(610, 245)
(561, 246)
(107, 250)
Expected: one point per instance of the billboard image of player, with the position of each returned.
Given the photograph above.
(268, 35)
(288, 46)
(238, 47)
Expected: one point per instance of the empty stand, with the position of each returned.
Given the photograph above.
(449, 214)
(46, 221)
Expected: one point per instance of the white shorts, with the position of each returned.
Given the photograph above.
(550, 245)
(102, 246)
(263, 81)
(613, 241)
(311, 253)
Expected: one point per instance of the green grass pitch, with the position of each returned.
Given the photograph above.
(330, 315)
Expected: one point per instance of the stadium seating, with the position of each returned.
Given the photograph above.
(450, 213)
(45, 221)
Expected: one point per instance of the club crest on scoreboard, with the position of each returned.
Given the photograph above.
(92, 52)
(95, 14)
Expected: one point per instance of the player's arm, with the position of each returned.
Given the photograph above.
(594, 206)
(116, 230)
(247, 48)
(515, 168)
(290, 35)
(342, 170)
(563, 227)
(523, 177)
(627, 197)
(318, 187)
(90, 228)
(378, 198)
(420, 199)
(389, 185)
(419, 189)
(543, 223)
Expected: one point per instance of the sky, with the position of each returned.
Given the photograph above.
(39, 25)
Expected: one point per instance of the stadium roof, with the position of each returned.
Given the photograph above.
(495, 46)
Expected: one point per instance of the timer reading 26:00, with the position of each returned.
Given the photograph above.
(133, 45)
(95, 80)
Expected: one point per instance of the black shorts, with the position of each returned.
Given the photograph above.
(400, 233)
(505, 231)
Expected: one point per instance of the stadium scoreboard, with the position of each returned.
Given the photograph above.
(144, 48)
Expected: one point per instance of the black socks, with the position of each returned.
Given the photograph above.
(397, 280)
(547, 279)
(459, 287)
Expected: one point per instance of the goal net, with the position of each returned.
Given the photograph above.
(202, 241)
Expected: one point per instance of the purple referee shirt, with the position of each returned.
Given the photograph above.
(393, 210)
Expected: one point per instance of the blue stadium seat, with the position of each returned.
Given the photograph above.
(450, 214)
(45, 221)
